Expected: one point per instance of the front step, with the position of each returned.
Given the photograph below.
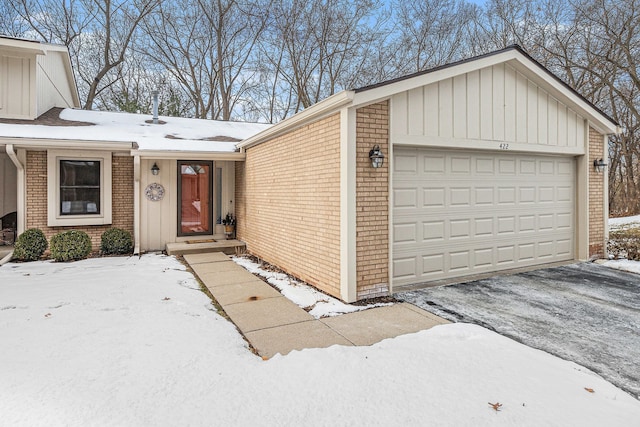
(229, 247)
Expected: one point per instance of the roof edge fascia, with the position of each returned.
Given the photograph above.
(25, 48)
(177, 154)
(316, 111)
(74, 144)
(9, 42)
(71, 77)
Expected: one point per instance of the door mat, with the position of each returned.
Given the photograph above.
(190, 242)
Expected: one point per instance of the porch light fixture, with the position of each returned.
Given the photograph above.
(599, 165)
(155, 169)
(376, 156)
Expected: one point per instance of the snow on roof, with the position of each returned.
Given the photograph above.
(175, 134)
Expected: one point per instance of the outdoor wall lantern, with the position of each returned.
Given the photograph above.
(376, 156)
(599, 164)
(155, 169)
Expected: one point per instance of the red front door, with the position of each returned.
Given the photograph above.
(195, 197)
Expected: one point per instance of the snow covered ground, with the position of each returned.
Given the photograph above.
(624, 222)
(623, 264)
(133, 341)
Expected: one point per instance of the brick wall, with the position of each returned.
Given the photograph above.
(372, 202)
(596, 195)
(288, 203)
(122, 197)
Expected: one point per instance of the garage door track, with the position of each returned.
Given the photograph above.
(586, 313)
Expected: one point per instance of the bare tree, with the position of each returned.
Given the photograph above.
(318, 48)
(180, 41)
(97, 32)
(207, 46)
(11, 23)
(432, 33)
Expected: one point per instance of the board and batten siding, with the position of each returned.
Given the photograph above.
(15, 87)
(159, 219)
(496, 103)
(52, 86)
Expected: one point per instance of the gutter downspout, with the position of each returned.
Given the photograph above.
(136, 205)
(20, 196)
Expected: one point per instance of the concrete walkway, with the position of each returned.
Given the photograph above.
(273, 324)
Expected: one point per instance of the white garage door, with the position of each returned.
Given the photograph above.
(463, 213)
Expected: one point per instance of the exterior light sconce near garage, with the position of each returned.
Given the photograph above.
(376, 156)
(155, 169)
(599, 165)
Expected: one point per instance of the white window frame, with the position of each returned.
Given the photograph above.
(53, 188)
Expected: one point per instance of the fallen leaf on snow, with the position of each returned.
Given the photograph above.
(47, 315)
(166, 299)
(590, 390)
(496, 406)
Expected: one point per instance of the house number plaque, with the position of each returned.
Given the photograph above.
(154, 192)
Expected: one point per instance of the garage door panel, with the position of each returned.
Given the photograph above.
(433, 231)
(484, 196)
(564, 194)
(506, 195)
(434, 197)
(459, 261)
(465, 213)
(546, 249)
(434, 164)
(432, 265)
(483, 227)
(526, 223)
(564, 221)
(405, 198)
(527, 167)
(565, 168)
(405, 233)
(546, 194)
(405, 268)
(506, 254)
(460, 229)
(485, 166)
(483, 257)
(405, 164)
(507, 166)
(564, 247)
(526, 252)
(460, 164)
(547, 167)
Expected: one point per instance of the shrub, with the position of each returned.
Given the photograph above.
(70, 245)
(625, 244)
(30, 245)
(116, 241)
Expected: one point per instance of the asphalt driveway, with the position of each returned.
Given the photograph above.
(586, 313)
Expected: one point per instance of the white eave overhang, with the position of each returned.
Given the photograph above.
(315, 112)
(190, 155)
(70, 144)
